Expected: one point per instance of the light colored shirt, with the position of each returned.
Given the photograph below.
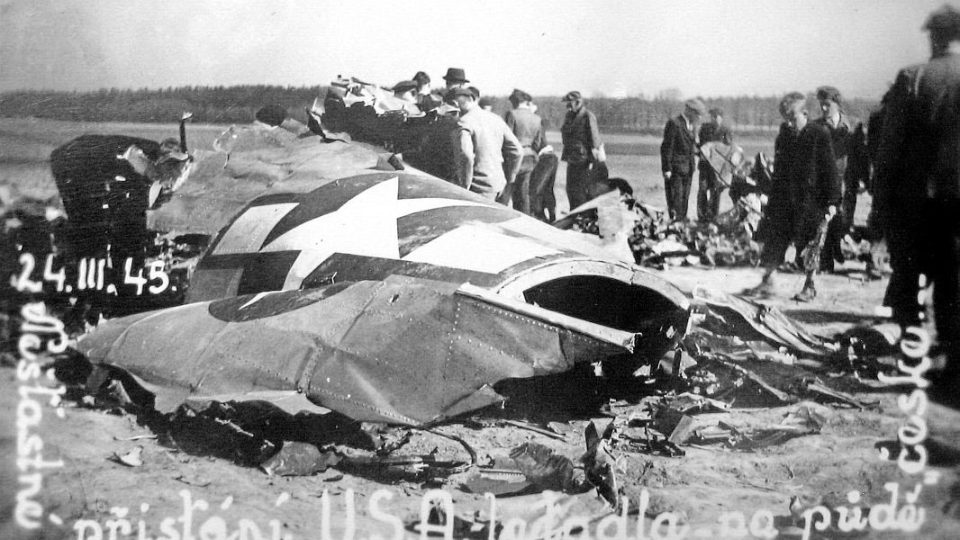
(490, 153)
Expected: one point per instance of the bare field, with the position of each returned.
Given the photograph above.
(707, 483)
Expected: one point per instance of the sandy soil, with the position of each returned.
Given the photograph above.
(180, 494)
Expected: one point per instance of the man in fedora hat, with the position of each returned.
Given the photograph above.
(581, 147)
(678, 157)
(917, 191)
(455, 77)
(488, 153)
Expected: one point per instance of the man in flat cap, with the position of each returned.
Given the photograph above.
(581, 147)
(708, 195)
(488, 153)
(678, 157)
(849, 140)
(528, 127)
(917, 192)
(804, 195)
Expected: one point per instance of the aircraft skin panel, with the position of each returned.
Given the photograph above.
(402, 350)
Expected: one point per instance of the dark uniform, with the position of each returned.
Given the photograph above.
(708, 196)
(917, 191)
(805, 184)
(677, 156)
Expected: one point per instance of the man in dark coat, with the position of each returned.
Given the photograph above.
(708, 196)
(804, 195)
(581, 147)
(678, 157)
(849, 141)
(918, 189)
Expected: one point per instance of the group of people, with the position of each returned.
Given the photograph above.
(508, 159)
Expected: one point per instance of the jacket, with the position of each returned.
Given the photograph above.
(580, 136)
(679, 147)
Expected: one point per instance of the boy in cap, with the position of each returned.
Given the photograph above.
(917, 192)
(804, 195)
(488, 154)
(677, 157)
(581, 147)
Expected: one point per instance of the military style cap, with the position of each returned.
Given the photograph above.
(829, 93)
(572, 96)
(945, 20)
(696, 105)
(475, 91)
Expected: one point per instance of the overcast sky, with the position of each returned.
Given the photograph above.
(708, 48)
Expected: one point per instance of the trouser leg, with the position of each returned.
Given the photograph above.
(945, 273)
(671, 193)
(684, 200)
(850, 189)
(703, 196)
(521, 192)
(576, 184)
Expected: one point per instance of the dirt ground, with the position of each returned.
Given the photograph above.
(181, 494)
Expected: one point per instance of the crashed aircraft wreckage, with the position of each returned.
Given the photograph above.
(386, 296)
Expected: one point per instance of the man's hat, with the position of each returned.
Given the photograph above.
(716, 111)
(696, 105)
(517, 95)
(475, 91)
(572, 96)
(404, 86)
(456, 75)
(458, 91)
(945, 20)
(829, 93)
(485, 102)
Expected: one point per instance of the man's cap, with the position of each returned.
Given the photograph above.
(475, 91)
(404, 86)
(458, 91)
(696, 105)
(945, 20)
(421, 78)
(829, 93)
(572, 96)
(716, 111)
(456, 75)
(485, 102)
(519, 95)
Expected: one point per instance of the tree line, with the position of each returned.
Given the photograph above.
(238, 104)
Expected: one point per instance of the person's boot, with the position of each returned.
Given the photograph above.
(765, 289)
(808, 293)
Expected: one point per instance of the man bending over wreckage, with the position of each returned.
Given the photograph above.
(804, 196)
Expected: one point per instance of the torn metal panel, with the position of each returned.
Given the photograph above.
(768, 321)
(403, 350)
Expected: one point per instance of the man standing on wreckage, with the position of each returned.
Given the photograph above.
(804, 196)
(917, 193)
